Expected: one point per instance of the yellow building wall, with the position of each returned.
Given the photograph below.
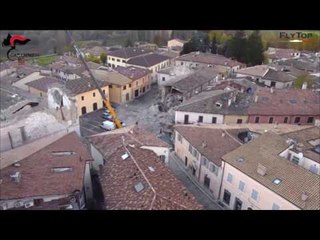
(89, 100)
(115, 94)
(37, 92)
(232, 119)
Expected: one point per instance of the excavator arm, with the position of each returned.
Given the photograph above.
(105, 100)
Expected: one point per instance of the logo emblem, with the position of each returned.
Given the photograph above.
(12, 41)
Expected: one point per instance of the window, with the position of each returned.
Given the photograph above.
(112, 59)
(123, 61)
(310, 120)
(83, 110)
(195, 153)
(104, 91)
(130, 85)
(200, 119)
(93, 94)
(118, 60)
(61, 169)
(313, 169)
(190, 148)
(285, 120)
(40, 94)
(82, 98)
(275, 206)
(181, 63)
(226, 196)
(163, 78)
(38, 201)
(206, 181)
(95, 106)
(214, 120)
(205, 161)
(179, 137)
(271, 120)
(257, 120)
(239, 121)
(277, 181)
(295, 160)
(124, 87)
(137, 83)
(62, 153)
(241, 186)
(110, 86)
(212, 167)
(254, 195)
(229, 178)
(297, 120)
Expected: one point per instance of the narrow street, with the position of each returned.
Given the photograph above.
(179, 171)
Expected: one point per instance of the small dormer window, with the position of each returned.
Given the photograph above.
(218, 104)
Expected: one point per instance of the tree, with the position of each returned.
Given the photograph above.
(213, 45)
(157, 39)
(103, 57)
(302, 79)
(254, 53)
(92, 58)
(236, 47)
(128, 43)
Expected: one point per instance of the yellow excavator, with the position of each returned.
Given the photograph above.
(105, 100)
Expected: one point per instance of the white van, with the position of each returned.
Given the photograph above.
(107, 125)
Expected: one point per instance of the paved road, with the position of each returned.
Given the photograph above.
(179, 171)
(143, 110)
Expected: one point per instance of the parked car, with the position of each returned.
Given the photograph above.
(108, 125)
(107, 116)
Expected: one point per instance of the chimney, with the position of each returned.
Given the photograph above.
(223, 134)
(271, 90)
(256, 98)
(229, 102)
(304, 196)
(204, 144)
(261, 170)
(304, 85)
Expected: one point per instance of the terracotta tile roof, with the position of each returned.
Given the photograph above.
(278, 76)
(304, 136)
(81, 85)
(111, 77)
(128, 52)
(208, 58)
(206, 102)
(194, 80)
(43, 84)
(148, 60)
(37, 177)
(108, 141)
(216, 144)
(285, 102)
(119, 178)
(295, 179)
(133, 73)
(258, 71)
(279, 53)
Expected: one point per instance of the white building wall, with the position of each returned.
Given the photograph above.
(193, 117)
(7, 72)
(97, 157)
(215, 179)
(266, 197)
(14, 203)
(88, 182)
(303, 161)
(159, 151)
